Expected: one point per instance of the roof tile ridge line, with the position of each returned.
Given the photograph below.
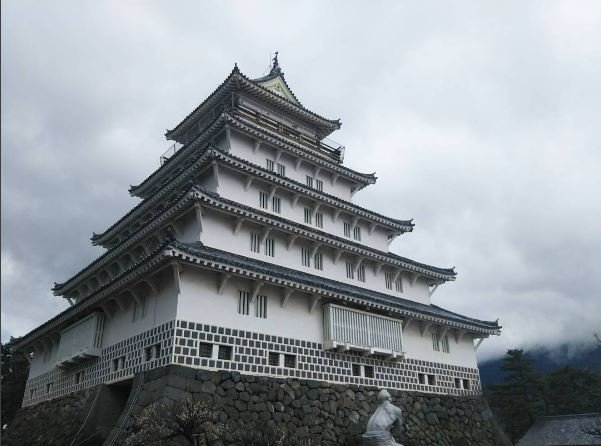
(104, 288)
(146, 200)
(405, 223)
(410, 263)
(213, 93)
(184, 149)
(336, 122)
(316, 155)
(459, 314)
(181, 246)
(123, 246)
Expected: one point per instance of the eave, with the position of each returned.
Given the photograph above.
(237, 81)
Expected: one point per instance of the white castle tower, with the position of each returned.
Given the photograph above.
(247, 254)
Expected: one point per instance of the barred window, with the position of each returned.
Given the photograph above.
(255, 242)
(356, 370)
(398, 284)
(281, 169)
(361, 273)
(243, 302)
(350, 271)
(274, 359)
(305, 257)
(466, 384)
(357, 233)
(368, 371)
(152, 352)
(432, 380)
(49, 387)
(225, 353)
(263, 200)
(318, 261)
(347, 229)
(205, 350)
(261, 307)
(445, 344)
(270, 247)
(308, 215)
(269, 164)
(290, 361)
(435, 342)
(319, 185)
(309, 181)
(79, 375)
(276, 204)
(458, 383)
(319, 219)
(388, 280)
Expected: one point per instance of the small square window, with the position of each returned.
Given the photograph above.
(205, 349)
(290, 361)
(274, 359)
(225, 352)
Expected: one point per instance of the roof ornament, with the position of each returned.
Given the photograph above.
(275, 65)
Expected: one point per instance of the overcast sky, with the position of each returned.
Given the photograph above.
(482, 121)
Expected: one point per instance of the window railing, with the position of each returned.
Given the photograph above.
(170, 152)
(348, 329)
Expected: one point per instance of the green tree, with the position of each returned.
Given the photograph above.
(570, 390)
(15, 368)
(519, 400)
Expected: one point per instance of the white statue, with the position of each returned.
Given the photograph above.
(386, 418)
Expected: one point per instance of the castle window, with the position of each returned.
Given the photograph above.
(270, 165)
(255, 242)
(261, 307)
(118, 364)
(319, 185)
(308, 215)
(356, 368)
(306, 257)
(318, 261)
(274, 359)
(398, 284)
(357, 233)
(270, 247)
(276, 204)
(347, 229)
(309, 181)
(427, 380)
(152, 352)
(319, 219)
(432, 380)
(445, 344)
(458, 383)
(388, 280)
(361, 273)
(263, 200)
(31, 392)
(78, 378)
(205, 350)
(225, 353)
(290, 361)
(435, 342)
(350, 271)
(243, 302)
(368, 371)
(49, 387)
(281, 170)
(466, 384)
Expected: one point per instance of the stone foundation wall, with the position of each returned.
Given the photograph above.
(327, 414)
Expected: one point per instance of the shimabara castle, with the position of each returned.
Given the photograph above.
(247, 254)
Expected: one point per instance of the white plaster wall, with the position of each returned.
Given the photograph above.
(218, 233)
(159, 309)
(199, 302)
(39, 365)
(243, 147)
(232, 187)
(418, 347)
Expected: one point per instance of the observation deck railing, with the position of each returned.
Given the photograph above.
(349, 329)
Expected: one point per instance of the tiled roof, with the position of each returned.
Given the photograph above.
(236, 81)
(362, 295)
(366, 178)
(564, 430)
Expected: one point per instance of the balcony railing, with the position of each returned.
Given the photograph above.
(348, 329)
(170, 152)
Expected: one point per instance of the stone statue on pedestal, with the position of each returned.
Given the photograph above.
(386, 418)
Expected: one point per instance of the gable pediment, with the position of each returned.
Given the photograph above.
(279, 87)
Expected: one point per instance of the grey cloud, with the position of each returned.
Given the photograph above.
(481, 121)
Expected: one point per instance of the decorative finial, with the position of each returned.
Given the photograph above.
(275, 65)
